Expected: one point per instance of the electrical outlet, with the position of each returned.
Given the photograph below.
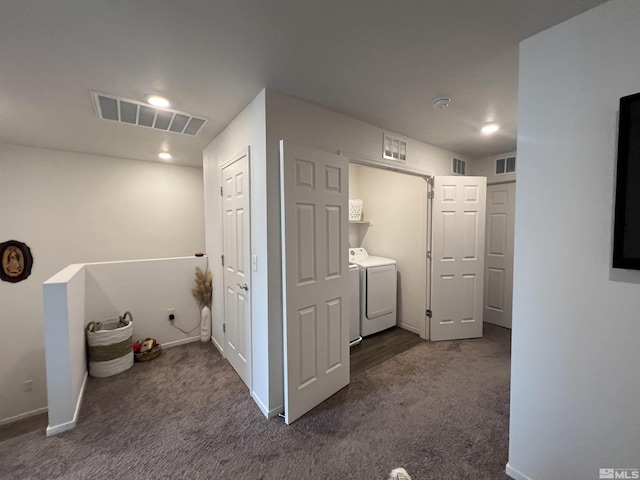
(28, 385)
(171, 314)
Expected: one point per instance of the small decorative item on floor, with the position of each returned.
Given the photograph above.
(109, 345)
(146, 350)
(202, 292)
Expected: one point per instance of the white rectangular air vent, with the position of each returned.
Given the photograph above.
(505, 165)
(394, 148)
(111, 107)
(459, 167)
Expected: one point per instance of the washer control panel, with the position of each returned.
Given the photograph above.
(357, 255)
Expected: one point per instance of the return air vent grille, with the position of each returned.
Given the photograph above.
(459, 167)
(393, 148)
(110, 107)
(505, 165)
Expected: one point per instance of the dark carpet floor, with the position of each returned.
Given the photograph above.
(440, 410)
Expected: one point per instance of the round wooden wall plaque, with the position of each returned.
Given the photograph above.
(16, 261)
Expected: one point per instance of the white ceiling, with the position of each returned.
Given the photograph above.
(382, 61)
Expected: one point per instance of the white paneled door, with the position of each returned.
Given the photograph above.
(314, 199)
(498, 292)
(237, 261)
(457, 251)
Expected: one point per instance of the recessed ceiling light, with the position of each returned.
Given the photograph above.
(490, 128)
(158, 101)
(165, 155)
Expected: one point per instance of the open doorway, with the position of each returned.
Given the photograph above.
(314, 216)
(396, 223)
(395, 219)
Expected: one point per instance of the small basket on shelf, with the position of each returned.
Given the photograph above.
(355, 210)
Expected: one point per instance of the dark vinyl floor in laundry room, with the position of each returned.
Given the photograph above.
(381, 346)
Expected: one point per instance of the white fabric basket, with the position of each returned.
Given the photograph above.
(110, 346)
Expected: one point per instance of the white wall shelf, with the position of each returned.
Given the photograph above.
(361, 222)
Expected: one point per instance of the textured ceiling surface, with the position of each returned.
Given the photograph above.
(381, 61)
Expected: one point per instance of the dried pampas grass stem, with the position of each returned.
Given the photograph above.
(203, 289)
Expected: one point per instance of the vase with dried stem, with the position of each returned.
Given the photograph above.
(203, 292)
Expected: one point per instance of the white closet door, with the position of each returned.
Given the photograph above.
(314, 202)
(237, 261)
(457, 269)
(498, 294)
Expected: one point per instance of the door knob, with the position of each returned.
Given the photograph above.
(245, 287)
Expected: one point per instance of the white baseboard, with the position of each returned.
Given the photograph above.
(263, 408)
(217, 345)
(80, 397)
(499, 324)
(276, 411)
(410, 328)
(517, 475)
(63, 427)
(177, 343)
(22, 416)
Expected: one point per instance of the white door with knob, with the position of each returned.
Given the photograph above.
(457, 257)
(314, 202)
(237, 262)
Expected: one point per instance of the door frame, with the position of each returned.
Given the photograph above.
(485, 301)
(359, 159)
(245, 152)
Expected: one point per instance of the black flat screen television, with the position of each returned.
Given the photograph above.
(626, 231)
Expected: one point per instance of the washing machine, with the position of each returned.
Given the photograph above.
(378, 291)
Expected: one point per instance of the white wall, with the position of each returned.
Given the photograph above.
(75, 208)
(396, 204)
(147, 288)
(308, 124)
(64, 321)
(576, 324)
(314, 126)
(270, 117)
(248, 129)
(82, 293)
(356, 232)
(486, 167)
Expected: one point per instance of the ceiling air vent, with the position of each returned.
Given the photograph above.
(111, 107)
